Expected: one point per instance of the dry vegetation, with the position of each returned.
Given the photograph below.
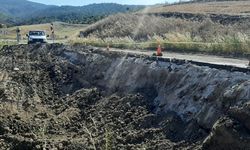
(226, 7)
(62, 30)
(142, 27)
(144, 32)
(6, 42)
(189, 27)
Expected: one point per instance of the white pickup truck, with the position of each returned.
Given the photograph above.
(37, 37)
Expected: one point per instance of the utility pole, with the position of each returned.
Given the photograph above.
(18, 35)
(52, 32)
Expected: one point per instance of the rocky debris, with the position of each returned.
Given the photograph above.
(228, 134)
(75, 97)
(86, 119)
(242, 114)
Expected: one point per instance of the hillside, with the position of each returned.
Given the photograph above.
(26, 12)
(177, 30)
(142, 27)
(20, 8)
(194, 21)
(224, 7)
(5, 20)
(84, 14)
(89, 10)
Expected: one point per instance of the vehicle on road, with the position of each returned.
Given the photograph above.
(37, 37)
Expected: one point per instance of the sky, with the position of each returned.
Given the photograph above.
(85, 2)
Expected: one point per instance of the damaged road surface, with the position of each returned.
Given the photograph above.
(74, 97)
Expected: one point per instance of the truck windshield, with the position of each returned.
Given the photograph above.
(38, 33)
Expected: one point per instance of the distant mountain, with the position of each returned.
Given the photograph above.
(90, 10)
(20, 8)
(82, 14)
(26, 12)
(6, 20)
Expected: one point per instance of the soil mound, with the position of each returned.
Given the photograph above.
(74, 97)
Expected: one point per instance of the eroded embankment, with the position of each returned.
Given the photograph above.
(219, 18)
(65, 97)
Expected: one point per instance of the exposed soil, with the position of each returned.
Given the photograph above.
(217, 18)
(63, 97)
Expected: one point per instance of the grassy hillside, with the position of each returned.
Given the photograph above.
(26, 12)
(79, 15)
(224, 7)
(221, 34)
(62, 30)
(20, 8)
(202, 28)
(143, 27)
(5, 20)
(89, 10)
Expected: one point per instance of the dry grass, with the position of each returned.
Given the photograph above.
(142, 31)
(226, 7)
(6, 42)
(137, 31)
(231, 46)
(62, 30)
(143, 27)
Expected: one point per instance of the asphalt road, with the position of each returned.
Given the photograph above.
(237, 62)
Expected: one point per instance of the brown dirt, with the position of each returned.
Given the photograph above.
(60, 97)
(43, 106)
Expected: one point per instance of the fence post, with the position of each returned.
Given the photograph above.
(108, 47)
(52, 32)
(18, 35)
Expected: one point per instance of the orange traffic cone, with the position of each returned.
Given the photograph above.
(159, 52)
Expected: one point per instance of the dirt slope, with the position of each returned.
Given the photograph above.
(63, 97)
